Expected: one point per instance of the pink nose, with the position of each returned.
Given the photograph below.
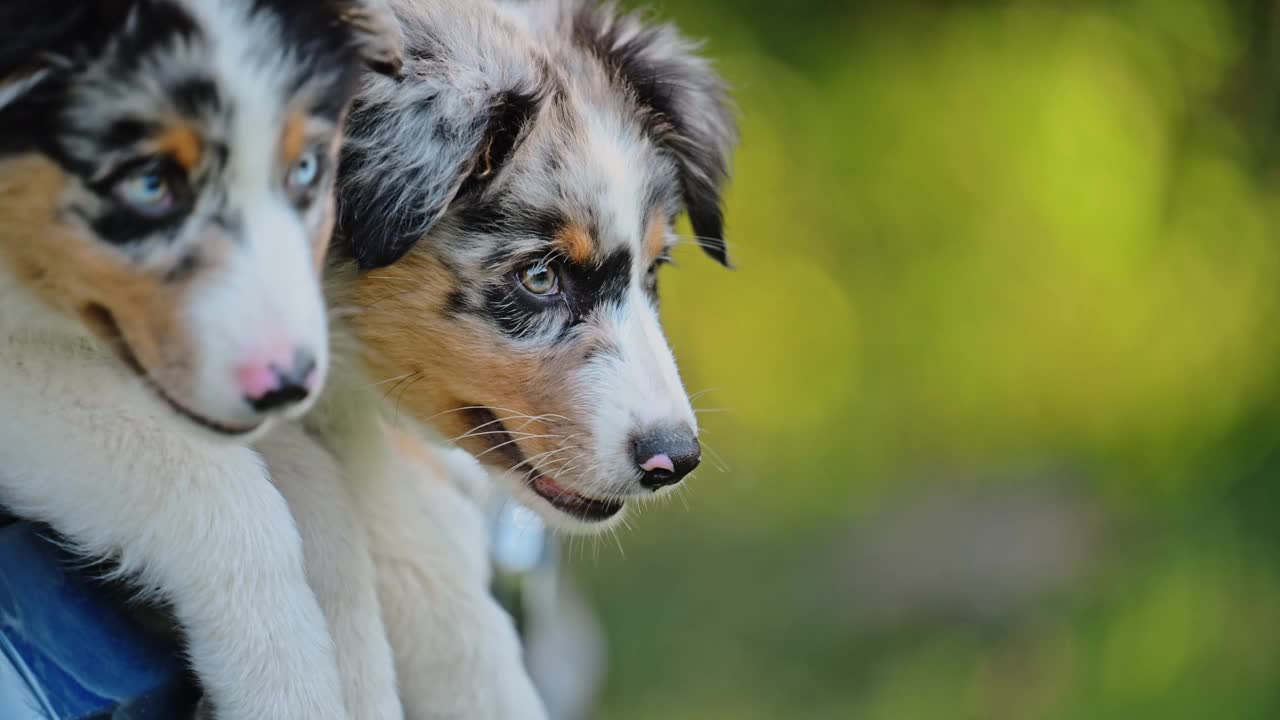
(658, 462)
(268, 384)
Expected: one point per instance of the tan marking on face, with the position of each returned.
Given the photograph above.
(576, 243)
(87, 279)
(656, 238)
(183, 144)
(322, 236)
(293, 138)
(456, 361)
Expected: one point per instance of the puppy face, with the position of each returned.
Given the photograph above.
(165, 181)
(524, 322)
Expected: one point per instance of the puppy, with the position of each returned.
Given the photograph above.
(503, 216)
(166, 169)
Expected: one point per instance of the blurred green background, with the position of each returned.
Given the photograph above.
(994, 390)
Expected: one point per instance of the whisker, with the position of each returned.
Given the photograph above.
(716, 458)
(398, 377)
(492, 408)
(471, 434)
(406, 388)
(400, 380)
(510, 442)
(702, 392)
(613, 533)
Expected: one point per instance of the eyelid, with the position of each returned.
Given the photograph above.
(129, 166)
(161, 164)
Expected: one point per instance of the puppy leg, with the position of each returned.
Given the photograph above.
(457, 652)
(198, 523)
(339, 569)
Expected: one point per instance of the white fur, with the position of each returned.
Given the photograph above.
(456, 652)
(86, 448)
(339, 568)
(458, 656)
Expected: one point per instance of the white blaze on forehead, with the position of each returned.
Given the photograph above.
(242, 65)
(616, 178)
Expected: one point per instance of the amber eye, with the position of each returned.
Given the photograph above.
(539, 280)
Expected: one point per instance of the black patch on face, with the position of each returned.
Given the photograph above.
(127, 131)
(120, 224)
(196, 97)
(584, 288)
(587, 287)
(120, 227)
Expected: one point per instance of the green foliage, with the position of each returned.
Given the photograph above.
(975, 237)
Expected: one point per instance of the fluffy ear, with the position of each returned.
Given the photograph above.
(687, 103)
(379, 34)
(417, 146)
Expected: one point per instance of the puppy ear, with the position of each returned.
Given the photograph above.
(40, 41)
(416, 147)
(38, 38)
(687, 104)
(378, 33)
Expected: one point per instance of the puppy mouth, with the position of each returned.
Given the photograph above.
(569, 502)
(111, 330)
(572, 503)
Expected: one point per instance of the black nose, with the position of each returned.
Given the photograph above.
(666, 455)
(291, 385)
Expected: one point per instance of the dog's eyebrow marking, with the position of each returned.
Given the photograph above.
(183, 144)
(292, 137)
(656, 239)
(576, 243)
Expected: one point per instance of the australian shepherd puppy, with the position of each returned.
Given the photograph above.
(166, 169)
(504, 215)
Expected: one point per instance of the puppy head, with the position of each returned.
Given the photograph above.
(165, 181)
(516, 196)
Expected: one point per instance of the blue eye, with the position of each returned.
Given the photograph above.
(304, 173)
(146, 192)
